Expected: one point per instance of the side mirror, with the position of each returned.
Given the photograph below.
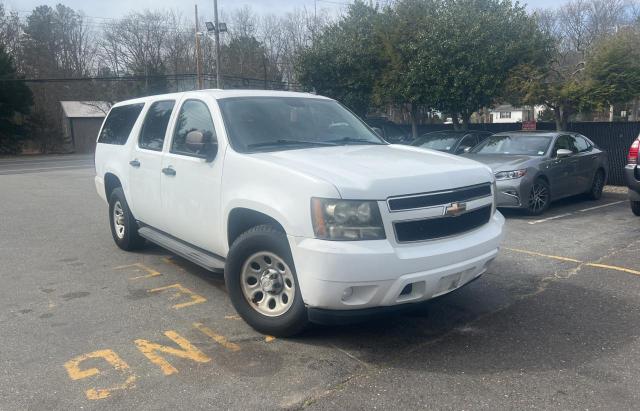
(194, 141)
(563, 152)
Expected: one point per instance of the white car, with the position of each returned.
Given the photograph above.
(311, 216)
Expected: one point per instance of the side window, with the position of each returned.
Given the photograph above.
(565, 142)
(194, 116)
(155, 124)
(469, 140)
(582, 144)
(119, 123)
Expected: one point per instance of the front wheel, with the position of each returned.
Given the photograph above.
(595, 192)
(635, 207)
(262, 282)
(539, 198)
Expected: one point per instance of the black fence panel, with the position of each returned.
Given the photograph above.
(614, 138)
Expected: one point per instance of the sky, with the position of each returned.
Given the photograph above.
(117, 8)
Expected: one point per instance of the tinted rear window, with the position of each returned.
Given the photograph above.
(119, 123)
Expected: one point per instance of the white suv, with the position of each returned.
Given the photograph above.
(311, 216)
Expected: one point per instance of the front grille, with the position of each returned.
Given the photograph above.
(433, 228)
(439, 197)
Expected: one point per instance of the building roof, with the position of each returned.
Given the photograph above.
(85, 109)
(505, 108)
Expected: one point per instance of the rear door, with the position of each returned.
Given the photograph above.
(190, 184)
(145, 165)
(588, 161)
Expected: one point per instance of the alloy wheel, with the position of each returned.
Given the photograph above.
(538, 198)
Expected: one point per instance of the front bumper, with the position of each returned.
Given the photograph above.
(363, 274)
(99, 182)
(513, 193)
(632, 177)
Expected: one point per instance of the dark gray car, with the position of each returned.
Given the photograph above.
(451, 141)
(532, 169)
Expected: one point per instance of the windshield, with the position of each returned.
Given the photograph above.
(438, 141)
(520, 145)
(277, 123)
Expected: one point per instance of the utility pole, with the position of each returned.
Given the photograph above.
(217, 37)
(198, 54)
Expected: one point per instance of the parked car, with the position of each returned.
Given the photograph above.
(451, 141)
(311, 216)
(632, 176)
(532, 169)
(390, 131)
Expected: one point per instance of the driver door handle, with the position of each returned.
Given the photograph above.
(134, 163)
(169, 171)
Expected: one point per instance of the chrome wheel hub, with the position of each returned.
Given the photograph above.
(118, 219)
(271, 282)
(268, 284)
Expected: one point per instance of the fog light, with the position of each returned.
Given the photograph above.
(347, 293)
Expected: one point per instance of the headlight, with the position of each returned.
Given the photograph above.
(346, 220)
(510, 175)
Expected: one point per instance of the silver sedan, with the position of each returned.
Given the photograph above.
(532, 169)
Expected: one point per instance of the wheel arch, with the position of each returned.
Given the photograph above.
(241, 219)
(111, 182)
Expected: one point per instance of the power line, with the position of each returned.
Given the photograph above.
(178, 76)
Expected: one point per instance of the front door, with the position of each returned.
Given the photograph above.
(562, 170)
(145, 164)
(190, 183)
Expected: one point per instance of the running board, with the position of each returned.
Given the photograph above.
(196, 255)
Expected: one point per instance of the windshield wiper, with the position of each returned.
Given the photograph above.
(347, 140)
(284, 142)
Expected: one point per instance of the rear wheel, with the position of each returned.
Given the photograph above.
(539, 198)
(262, 282)
(124, 227)
(597, 186)
(635, 207)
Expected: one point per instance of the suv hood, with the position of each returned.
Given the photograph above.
(375, 172)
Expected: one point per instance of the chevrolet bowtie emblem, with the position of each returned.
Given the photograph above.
(455, 209)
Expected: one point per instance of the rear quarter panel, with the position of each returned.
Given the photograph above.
(114, 158)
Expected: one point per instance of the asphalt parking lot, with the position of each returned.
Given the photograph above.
(555, 323)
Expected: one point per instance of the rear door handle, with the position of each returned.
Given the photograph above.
(134, 163)
(169, 171)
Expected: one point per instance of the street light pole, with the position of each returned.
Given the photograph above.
(199, 82)
(217, 37)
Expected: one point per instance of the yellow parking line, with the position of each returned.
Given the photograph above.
(555, 257)
(613, 267)
(180, 290)
(140, 267)
(573, 260)
(220, 339)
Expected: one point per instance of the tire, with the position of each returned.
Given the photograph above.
(635, 207)
(124, 227)
(539, 198)
(597, 185)
(259, 273)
